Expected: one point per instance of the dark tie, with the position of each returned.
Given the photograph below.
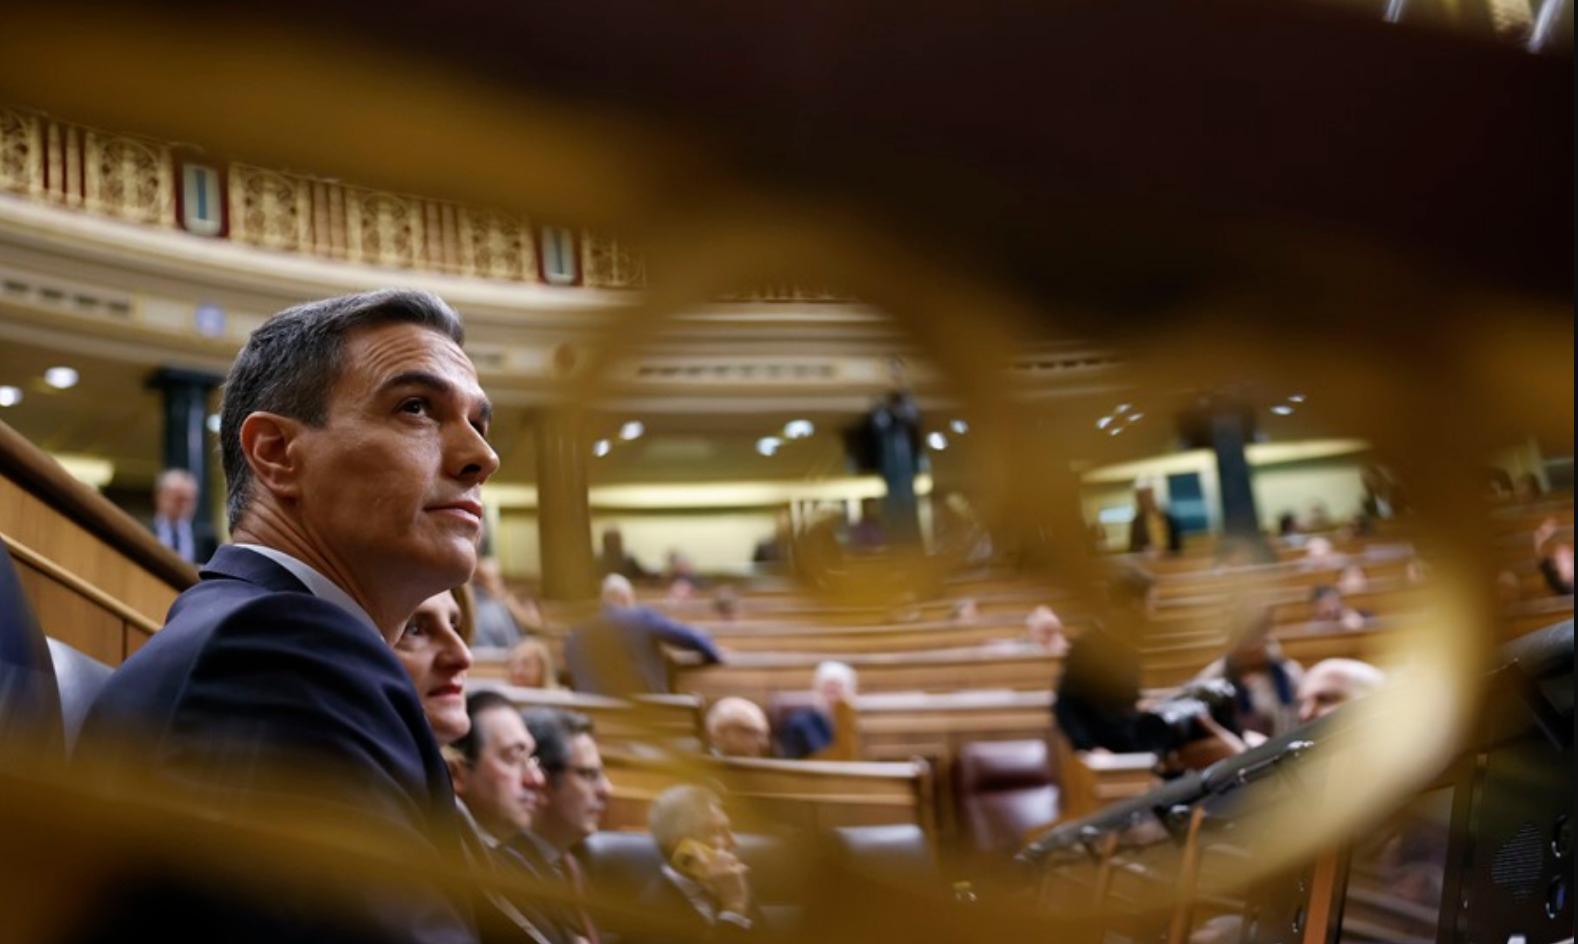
(572, 872)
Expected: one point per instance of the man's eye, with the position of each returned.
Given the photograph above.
(415, 405)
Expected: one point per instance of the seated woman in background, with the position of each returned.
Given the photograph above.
(530, 665)
(1328, 606)
(433, 649)
(809, 731)
(502, 617)
(1555, 558)
(1266, 684)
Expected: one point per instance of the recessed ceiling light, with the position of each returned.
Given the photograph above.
(213, 423)
(10, 396)
(61, 378)
(602, 448)
(1296, 398)
(798, 429)
(768, 445)
(1114, 430)
(937, 442)
(632, 430)
(1123, 408)
(1282, 409)
(959, 427)
(1104, 422)
(1136, 417)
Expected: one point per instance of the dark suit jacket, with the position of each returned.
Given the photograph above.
(558, 923)
(1140, 535)
(205, 540)
(803, 733)
(663, 899)
(253, 676)
(636, 636)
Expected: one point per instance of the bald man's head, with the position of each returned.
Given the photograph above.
(1331, 683)
(736, 727)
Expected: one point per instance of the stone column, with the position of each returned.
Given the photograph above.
(564, 514)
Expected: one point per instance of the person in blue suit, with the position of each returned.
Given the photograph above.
(620, 651)
(354, 440)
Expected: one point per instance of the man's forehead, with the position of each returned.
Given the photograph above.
(391, 349)
(507, 725)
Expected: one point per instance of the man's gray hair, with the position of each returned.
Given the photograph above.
(290, 366)
(680, 813)
(618, 590)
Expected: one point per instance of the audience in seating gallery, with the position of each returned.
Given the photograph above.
(737, 727)
(808, 731)
(503, 617)
(530, 665)
(433, 650)
(1154, 530)
(575, 794)
(1327, 606)
(1265, 683)
(620, 651)
(1331, 683)
(175, 521)
(704, 892)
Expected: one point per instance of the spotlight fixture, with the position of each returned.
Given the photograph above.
(1282, 409)
(10, 396)
(632, 430)
(1297, 398)
(768, 445)
(937, 442)
(798, 429)
(1104, 422)
(61, 378)
(602, 448)
(959, 427)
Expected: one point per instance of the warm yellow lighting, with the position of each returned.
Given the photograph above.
(88, 470)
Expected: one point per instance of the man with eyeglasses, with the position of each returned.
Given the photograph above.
(575, 796)
(497, 781)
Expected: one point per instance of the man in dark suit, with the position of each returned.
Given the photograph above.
(620, 652)
(575, 796)
(1154, 528)
(704, 891)
(354, 444)
(174, 524)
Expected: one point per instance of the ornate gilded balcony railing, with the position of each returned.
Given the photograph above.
(141, 180)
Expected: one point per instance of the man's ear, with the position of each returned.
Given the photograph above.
(266, 440)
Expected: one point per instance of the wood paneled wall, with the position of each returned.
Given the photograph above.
(96, 578)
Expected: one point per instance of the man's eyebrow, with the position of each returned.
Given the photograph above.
(419, 378)
(435, 383)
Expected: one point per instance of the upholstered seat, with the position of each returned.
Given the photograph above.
(78, 678)
(899, 854)
(29, 699)
(620, 865)
(1004, 789)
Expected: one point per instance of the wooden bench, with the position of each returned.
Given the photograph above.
(97, 579)
(772, 796)
(759, 675)
(672, 722)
